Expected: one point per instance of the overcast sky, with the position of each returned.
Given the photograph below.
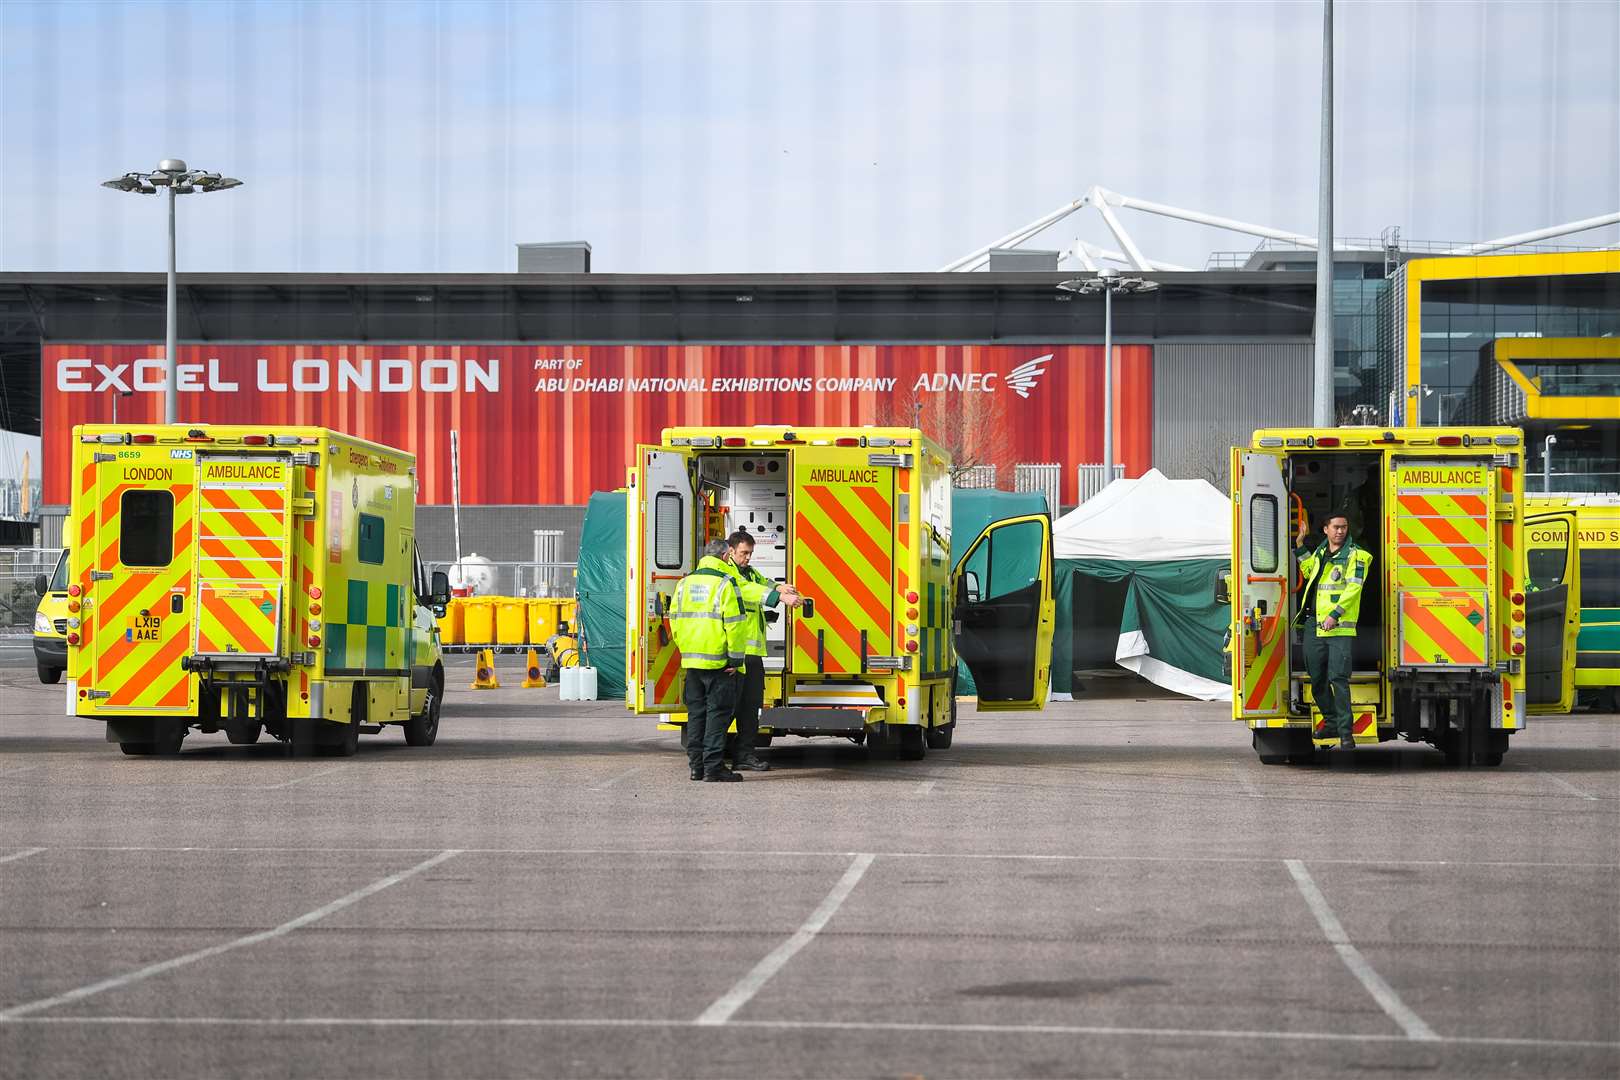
(781, 137)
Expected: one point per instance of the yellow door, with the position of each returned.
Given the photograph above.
(1262, 567)
(244, 527)
(136, 624)
(1552, 611)
(1004, 612)
(662, 538)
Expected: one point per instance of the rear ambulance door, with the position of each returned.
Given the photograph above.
(138, 619)
(244, 526)
(1552, 611)
(1262, 566)
(662, 538)
(1005, 612)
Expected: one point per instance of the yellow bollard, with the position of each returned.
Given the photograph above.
(484, 677)
(532, 677)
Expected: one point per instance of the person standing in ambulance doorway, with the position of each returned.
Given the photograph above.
(1334, 574)
(758, 592)
(711, 632)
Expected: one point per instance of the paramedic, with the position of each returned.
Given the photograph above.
(758, 592)
(1333, 575)
(710, 631)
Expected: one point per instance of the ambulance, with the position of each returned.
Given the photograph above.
(1452, 648)
(50, 623)
(859, 520)
(248, 580)
(1597, 648)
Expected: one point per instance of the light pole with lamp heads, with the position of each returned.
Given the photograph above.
(173, 174)
(1108, 282)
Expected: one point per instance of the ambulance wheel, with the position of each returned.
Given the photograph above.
(47, 674)
(243, 734)
(939, 738)
(879, 741)
(1278, 747)
(912, 746)
(166, 739)
(424, 729)
(343, 740)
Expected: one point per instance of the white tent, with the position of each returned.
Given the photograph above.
(1149, 519)
(1160, 536)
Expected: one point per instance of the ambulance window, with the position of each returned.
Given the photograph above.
(667, 515)
(59, 581)
(1263, 533)
(1547, 568)
(146, 528)
(1015, 559)
(371, 539)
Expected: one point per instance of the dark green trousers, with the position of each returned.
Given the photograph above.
(710, 698)
(1327, 662)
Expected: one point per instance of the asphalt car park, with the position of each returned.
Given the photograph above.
(1110, 887)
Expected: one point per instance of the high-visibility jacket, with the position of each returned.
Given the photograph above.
(1337, 580)
(707, 618)
(758, 592)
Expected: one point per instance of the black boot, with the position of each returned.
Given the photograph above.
(723, 776)
(753, 764)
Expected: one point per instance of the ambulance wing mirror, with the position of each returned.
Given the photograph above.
(42, 584)
(970, 586)
(439, 593)
(1223, 591)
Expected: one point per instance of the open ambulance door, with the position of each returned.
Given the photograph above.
(661, 535)
(1262, 567)
(1552, 611)
(1005, 612)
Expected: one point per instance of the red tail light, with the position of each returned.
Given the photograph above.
(255, 440)
(733, 442)
(1449, 440)
(314, 641)
(142, 440)
(1518, 598)
(314, 592)
(74, 590)
(73, 638)
(1328, 440)
(1518, 648)
(846, 442)
(911, 646)
(911, 597)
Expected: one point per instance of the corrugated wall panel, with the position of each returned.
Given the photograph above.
(1208, 398)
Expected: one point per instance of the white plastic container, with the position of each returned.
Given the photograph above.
(568, 689)
(585, 683)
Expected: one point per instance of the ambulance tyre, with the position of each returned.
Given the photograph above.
(167, 735)
(47, 674)
(343, 740)
(911, 745)
(1280, 747)
(424, 729)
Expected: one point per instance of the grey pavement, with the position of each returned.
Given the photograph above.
(1108, 888)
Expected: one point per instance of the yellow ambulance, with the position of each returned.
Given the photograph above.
(50, 623)
(859, 520)
(1597, 648)
(248, 579)
(1452, 648)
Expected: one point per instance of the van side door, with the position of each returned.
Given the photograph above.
(661, 537)
(1552, 611)
(1262, 568)
(1004, 612)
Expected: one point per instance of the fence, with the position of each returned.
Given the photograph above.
(19, 567)
(1093, 478)
(1045, 478)
(975, 476)
(511, 578)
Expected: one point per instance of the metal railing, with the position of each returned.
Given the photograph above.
(510, 578)
(19, 567)
(1092, 478)
(1044, 477)
(975, 476)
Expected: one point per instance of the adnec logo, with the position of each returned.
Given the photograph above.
(1020, 380)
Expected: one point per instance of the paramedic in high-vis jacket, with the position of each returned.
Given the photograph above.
(758, 592)
(711, 633)
(1333, 575)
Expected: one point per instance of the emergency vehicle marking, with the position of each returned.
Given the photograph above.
(1443, 628)
(1260, 681)
(241, 562)
(140, 670)
(844, 537)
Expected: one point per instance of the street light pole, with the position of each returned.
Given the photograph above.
(173, 174)
(1108, 387)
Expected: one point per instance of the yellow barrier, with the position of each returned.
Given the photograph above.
(510, 625)
(453, 624)
(479, 615)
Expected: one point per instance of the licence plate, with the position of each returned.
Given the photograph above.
(144, 628)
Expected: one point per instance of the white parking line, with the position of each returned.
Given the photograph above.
(15, 855)
(925, 787)
(1381, 991)
(804, 853)
(164, 966)
(738, 996)
(1245, 783)
(610, 781)
(306, 776)
(1565, 784)
(20, 769)
(1017, 1030)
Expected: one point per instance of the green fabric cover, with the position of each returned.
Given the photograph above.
(601, 586)
(1171, 603)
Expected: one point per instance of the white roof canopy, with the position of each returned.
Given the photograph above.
(1150, 519)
